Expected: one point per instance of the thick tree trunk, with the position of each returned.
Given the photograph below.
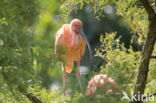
(146, 54)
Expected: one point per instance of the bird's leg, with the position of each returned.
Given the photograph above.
(78, 75)
(64, 79)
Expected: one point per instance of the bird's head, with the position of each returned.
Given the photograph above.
(77, 27)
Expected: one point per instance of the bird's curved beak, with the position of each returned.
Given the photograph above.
(85, 38)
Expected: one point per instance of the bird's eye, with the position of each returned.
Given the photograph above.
(75, 24)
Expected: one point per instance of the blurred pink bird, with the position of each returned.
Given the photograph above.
(106, 83)
(73, 40)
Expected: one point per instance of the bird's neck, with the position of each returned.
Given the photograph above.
(74, 37)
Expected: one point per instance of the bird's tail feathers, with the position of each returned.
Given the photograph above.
(68, 66)
(68, 69)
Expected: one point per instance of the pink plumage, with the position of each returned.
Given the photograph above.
(70, 45)
(104, 82)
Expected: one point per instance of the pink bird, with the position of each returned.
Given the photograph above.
(70, 45)
(107, 84)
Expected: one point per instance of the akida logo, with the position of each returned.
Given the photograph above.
(138, 97)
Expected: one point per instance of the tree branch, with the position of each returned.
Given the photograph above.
(153, 56)
(148, 8)
(148, 48)
(30, 96)
(33, 98)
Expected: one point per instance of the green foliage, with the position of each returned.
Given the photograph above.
(121, 62)
(16, 48)
(28, 63)
(73, 5)
(132, 12)
(56, 96)
(26, 49)
(135, 15)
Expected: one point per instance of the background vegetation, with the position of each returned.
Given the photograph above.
(29, 71)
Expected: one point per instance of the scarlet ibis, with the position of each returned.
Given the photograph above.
(72, 41)
(106, 85)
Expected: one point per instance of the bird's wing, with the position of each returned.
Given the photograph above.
(61, 40)
(58, 40)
